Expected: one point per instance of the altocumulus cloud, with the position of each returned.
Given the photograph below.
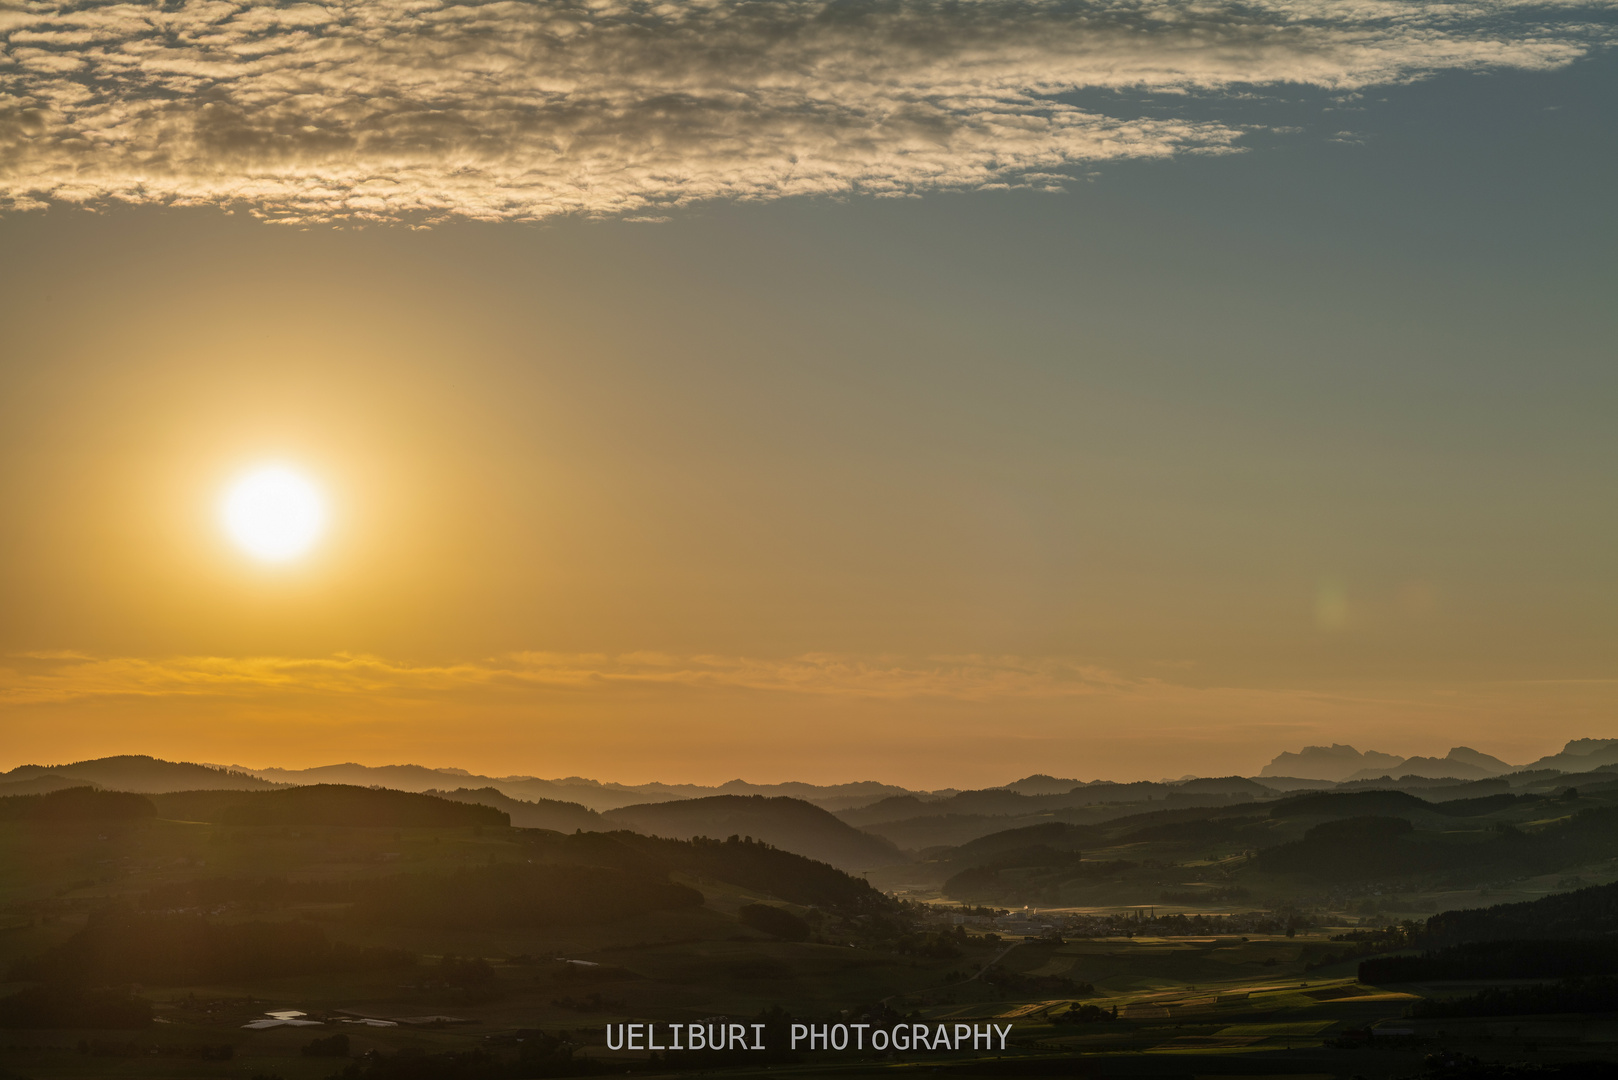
(522, 109)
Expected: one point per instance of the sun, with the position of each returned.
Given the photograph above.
(273, 513)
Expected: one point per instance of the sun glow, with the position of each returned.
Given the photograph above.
(273, 513)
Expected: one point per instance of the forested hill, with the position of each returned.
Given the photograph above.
(783, 822)
(76, 804)
(529, 813)
(1583, 913)
(753, 865)
(326, 804)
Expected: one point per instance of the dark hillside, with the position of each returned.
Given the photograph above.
(1367, 847)
(1582, 913)
(1225, 785)
(76, 804)
(517, 895)
(948, 830)
(1374, 847)
(1199, 832)
(792, 824)
(535, 814)
(751, 865)
(1044, 784)
(121, 947)
(40, 783)
(1484, 804)
(895, 808)
(1052, 836)
(1032, 875)
(481, 897)
(1532, 959)
(992, 801)
(326, 804)
(1349, 804)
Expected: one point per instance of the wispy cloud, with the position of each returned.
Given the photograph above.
(44, 678)
(714, 717)
(522, 109)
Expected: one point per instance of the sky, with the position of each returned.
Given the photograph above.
(935, 393)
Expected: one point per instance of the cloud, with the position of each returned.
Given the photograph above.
(388, 110)
(50, 678)
(711, 718)
(55, 678)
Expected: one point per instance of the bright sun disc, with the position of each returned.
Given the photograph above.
(274, 514)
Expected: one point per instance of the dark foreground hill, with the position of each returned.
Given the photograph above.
(783, 822)
(326, 804)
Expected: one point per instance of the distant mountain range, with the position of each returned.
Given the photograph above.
(597, 795)
(1311, 767)
(1339, 763)
(857, 827)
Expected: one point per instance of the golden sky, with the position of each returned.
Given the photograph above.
(1100, 391)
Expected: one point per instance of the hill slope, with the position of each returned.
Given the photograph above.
(787, 823)
(326, 804)
(140, 773)
(538, 814)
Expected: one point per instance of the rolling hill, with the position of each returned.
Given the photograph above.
(537, 814)
(790, 824)
(138, 773)
(326, 804)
